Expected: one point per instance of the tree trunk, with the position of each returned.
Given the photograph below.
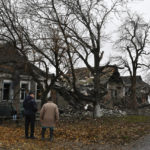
(133, 93)
(96, 110)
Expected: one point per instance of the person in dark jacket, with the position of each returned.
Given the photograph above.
(30, 109)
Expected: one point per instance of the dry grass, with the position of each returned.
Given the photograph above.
(78, 134)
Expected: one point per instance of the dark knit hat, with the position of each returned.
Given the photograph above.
(31, 92)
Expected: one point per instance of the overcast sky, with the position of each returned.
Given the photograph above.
(142, 7)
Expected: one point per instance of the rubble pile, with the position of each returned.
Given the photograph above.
(69, 111)
(113, 112)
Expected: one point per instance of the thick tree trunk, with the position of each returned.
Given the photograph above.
(96, 105)
(133, 93)
(96, 110)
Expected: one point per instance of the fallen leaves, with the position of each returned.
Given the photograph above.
(77, 133)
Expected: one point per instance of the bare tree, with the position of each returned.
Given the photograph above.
(17, 31)
(58, 33)
(133, 45)
(85, 28)
(81, 26)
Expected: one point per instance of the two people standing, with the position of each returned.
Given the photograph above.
(49, 116)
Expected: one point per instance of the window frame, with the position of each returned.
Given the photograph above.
(114, 93)
(11, 92)
(23, 82)
(36, 85)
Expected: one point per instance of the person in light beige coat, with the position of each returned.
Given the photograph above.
(49, 116)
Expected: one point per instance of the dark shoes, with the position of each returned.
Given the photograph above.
(27, 137)
(51, 139)
(42, 138)
(32, 137)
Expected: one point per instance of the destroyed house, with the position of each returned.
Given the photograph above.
(109, 79)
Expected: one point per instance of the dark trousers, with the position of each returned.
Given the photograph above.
(51, 130)
(29, 121)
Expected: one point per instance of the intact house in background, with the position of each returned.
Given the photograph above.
(16, 80)
(117, 87)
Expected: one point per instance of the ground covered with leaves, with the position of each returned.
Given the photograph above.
(77, 134)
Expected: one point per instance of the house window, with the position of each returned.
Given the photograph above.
(38, 92)
(113, 93)
(6, 91)
(24, 89)
(127, 91)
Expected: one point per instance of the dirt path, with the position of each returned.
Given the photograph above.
(141, 144)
